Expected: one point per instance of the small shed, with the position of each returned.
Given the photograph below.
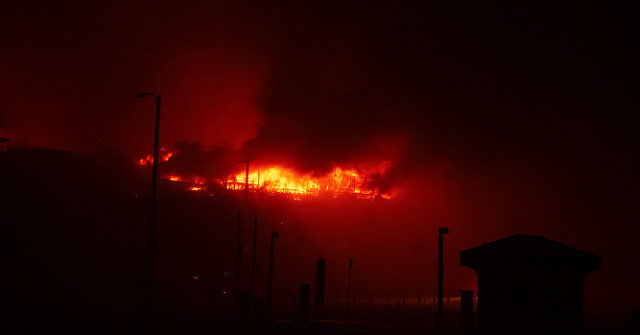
(529, 284)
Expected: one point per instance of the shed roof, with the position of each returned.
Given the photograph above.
(533, 250)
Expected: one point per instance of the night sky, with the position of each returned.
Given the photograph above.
(498, 118)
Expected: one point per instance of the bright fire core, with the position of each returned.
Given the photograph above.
(283, 180)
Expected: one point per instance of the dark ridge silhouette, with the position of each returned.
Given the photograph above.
(529, 284)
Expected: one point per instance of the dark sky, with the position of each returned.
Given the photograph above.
(494, 77)
(526, 108)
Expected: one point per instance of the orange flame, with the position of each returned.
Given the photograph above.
(149, 159)
(277, 179)
(282, 180)
(146, 160)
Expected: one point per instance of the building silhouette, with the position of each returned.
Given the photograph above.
(529, 284)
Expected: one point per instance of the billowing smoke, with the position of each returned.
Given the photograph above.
(196, 160)
(340, 97)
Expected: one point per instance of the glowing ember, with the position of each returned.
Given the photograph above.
(146, 160)
(195, 188)
(166, 155)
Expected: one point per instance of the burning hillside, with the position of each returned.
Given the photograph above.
(361, 182)
(339, 181)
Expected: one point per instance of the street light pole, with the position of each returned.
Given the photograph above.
(148, 256)
(441, 232)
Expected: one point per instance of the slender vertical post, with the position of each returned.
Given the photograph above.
(154, 197)
(321, 266)
(349, 283)
(270, 283)
(238, 257)
(246, 183)
(154, 176)
(253, 259)
(246, 177)
(441, 232)
(305, 301)
(293, 306)
(148, 256)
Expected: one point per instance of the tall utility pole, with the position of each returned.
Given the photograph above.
(149, 254)
(270, 284)
(238, 258)
(441, 232)
(349, 283)
(246, 177)
(253, 259)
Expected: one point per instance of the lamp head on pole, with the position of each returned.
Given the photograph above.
(274, 235)
(443, 231)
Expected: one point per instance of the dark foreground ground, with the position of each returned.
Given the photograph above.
(362, 319)
(72, 237)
